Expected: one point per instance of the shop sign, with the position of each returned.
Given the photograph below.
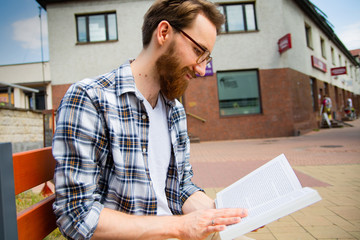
(208, 70)
(284, 43)
(338, 71)
(318, 64)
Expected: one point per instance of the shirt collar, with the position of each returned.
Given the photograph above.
(124, 79)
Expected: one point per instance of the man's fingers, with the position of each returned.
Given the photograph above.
(226, 221)
(231, 212)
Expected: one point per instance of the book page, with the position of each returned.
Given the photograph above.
(269, 206)
(271, 211)
(272, 180)
(270, 192)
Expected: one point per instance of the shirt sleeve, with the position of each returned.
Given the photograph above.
(79, 147)
(187, 187)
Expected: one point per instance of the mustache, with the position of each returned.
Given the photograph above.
(190, 72)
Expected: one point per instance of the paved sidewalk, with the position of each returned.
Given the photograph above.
(327, 160)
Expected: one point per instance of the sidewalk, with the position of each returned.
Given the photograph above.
(327, 160)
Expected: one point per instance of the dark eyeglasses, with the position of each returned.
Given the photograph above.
(205, 56)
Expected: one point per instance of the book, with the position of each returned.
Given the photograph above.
(270, 192)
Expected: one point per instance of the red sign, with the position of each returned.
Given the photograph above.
(318, 64)
(338, 71)
(284, 43)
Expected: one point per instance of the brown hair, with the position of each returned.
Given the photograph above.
(180, 14)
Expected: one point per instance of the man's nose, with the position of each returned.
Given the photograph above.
(200, 68)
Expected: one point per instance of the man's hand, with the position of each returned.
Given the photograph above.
(199, 224)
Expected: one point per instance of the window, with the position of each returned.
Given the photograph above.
(323, 49)
(346, 66)
(96, 27)
(239, 17)
(332, 56)
(239, 92)
(39, 100)
(340, 60)
(308, 36)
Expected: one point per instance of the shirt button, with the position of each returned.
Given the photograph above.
(144, 116)
(144, 150)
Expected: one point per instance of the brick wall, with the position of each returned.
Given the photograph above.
(23, 128)
(58, 92)
(286, 108)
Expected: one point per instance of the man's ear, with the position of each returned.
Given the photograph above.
(163, 32)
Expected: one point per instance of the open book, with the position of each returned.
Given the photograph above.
(270, 192)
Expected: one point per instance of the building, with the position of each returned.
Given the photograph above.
(26, 85)
(356, 54)
(272, 65)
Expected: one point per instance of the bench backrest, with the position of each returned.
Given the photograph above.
(30, 169)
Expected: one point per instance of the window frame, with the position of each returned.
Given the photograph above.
(258, 89)
(332, 55)
(308, 35)
(87, 26)
(242, 4)
(340, 60)
(323, 47)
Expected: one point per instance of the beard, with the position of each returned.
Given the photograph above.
(172, 77)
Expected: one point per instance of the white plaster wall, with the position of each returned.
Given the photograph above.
(71, 62)
(25, 73)
(253, 49)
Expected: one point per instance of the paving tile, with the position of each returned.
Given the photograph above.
(287, 218)
(348, 212)
(355, 234)
(261, 236)
(313, 220)
(319, 210)
(320, 232)
(289, 229)
(343, 201)
(341, 222)
(283, 224)
(294, 236)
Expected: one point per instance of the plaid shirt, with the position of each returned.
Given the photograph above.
(100, 146)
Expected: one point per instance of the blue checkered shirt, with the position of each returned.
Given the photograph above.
(101, 149)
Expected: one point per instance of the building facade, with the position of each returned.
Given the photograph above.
(26, 86)
(272, 64)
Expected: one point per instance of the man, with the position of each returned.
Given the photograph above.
(121, 141)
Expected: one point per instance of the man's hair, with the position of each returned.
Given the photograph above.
(180, 14)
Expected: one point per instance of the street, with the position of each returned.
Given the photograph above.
(327, 160)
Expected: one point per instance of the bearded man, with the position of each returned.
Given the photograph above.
(121, 142)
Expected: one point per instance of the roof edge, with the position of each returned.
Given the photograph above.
(320, 21)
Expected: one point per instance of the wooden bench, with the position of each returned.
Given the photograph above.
(20, 172)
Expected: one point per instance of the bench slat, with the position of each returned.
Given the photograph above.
(38, 221)
(32, 168)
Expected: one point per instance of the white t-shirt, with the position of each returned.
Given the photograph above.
(159, 151)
